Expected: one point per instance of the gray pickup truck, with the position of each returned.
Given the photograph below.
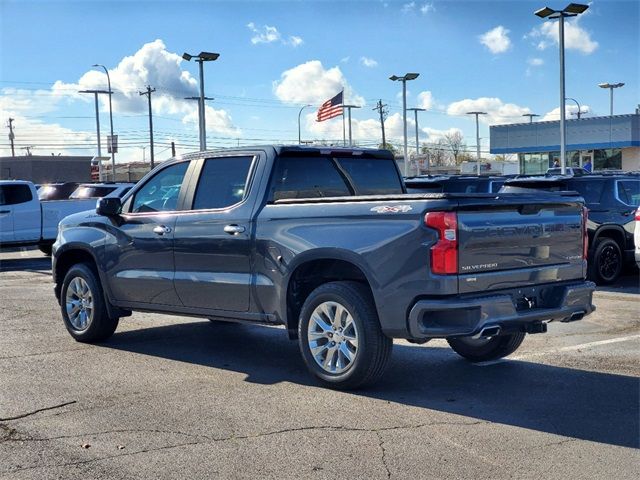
(326, 242)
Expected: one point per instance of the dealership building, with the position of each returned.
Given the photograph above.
(611, 142)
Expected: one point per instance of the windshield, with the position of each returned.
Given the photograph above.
(92, 192)
(629, 192)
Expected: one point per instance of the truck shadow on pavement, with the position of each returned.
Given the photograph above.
(27, 264)
(575, 403)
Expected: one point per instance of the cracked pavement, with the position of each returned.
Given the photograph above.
(176, 397)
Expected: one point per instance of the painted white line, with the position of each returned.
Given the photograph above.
(595, 344)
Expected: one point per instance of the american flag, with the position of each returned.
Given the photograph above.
(331, 108)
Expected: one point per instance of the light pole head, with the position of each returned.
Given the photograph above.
(411, 76)
(544, 12)
(394, 78)
(208, 56)
(476, 113)
(187, 57)
(575, 8)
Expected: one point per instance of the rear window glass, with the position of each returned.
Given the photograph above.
(372, 176)
(590, 190)
(466, 186)
(15, 194)
(307, 177)
(92, 192)
(222, 182)
(544, 186)
(424, 187)
(629, 192)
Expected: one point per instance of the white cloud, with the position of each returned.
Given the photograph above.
(575, 37)
(535, 62)
(425, 100)
(496, 40)
(497, 111)
(269, 34)
(433, 134)
(368, 62)
(311, 83)
(345, 59)
(408, 7)
(219, 121)
(266, 34)
(412, 7)
(295, 41)
(570, 111)
(426, 8)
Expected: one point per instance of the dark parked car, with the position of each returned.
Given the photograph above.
(612, 201)
(454, 184)
(99, 190)
(56, 191)
(326, 242)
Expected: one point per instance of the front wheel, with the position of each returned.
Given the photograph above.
(485, 349)
(83, 306)
(340, 337)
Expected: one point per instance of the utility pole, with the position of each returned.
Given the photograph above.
(148, 93)
(381, 109)
(477, 139)
(12, 136)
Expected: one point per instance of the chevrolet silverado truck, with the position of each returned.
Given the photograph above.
(327, 243)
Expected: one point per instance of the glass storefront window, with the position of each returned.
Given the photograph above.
(607, 159)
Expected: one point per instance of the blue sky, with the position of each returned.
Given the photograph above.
(277, 56)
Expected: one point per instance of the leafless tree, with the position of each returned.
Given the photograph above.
(455, 143)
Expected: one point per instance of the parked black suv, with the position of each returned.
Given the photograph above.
(612, 200)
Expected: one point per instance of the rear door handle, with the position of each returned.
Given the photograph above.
(234, 229)
(161, 230)
(5, 211)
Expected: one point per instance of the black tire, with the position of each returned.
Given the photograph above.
(100, 326)
(483, 350)
(606, 262)
(373, 347)
(45, 248)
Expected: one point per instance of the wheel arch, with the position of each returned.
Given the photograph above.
(315, 268)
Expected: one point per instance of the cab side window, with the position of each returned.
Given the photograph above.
(15, 194)
(160, 193)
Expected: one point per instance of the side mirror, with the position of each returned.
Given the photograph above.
(108, 206)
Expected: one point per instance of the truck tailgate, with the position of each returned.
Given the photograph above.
(517, 240)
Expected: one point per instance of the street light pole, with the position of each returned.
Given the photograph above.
(349, 107)
(200, 59)
(571, 10)
(579, 113)
(299, 129)
(530, 115)
(415, 113)
(477, 114)
(611, 86)
(111, 142)
(95, 94)
(404, 79)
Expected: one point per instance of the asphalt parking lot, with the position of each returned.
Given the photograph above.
(177, 397)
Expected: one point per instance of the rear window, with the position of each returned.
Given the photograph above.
(372, 176)
(92, 192)
(466, 186)
(516, 187)
(424, 187)
(308, 177)
(222, 182)
(15, 194)
(629, 192)
(590, 190)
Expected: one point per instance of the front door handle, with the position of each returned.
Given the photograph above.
(234, 229)
(161, 230)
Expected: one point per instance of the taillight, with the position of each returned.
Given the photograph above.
(638, 215)
(444, 254)
(585, 233)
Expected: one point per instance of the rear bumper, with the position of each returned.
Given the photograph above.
(511, 310)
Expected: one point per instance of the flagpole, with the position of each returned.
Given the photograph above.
(344, 137)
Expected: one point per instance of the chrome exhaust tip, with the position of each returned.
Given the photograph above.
(488, 332)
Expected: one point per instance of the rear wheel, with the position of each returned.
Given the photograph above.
(83, 306)
(340, 337)
(606, 264)
(485, 349)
